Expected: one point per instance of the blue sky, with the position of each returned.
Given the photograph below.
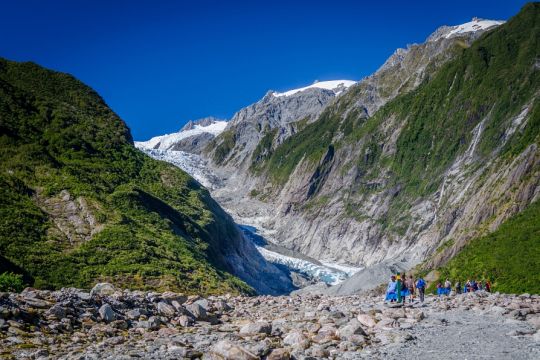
(159, 64)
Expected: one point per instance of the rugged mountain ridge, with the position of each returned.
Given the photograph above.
(279, 115)
(430, 170)
(438, 147)
(81, 204)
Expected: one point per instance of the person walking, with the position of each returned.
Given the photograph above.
(391, 290)
(458, 287)
(488, 286)
(410, 284)
(421, 286)
(447, 287)
(399, 285)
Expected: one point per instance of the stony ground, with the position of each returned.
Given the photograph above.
(111, 324)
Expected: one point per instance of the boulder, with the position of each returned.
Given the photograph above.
(170, 296)
(352, 328)
(58, 311)
(296, 338)
(183, 321)
(226, 350)
(367, 320)
(279, 354)
(165, 309)
(107, 313)
(259, 327)
(197, 311)
(102, 289)
(152, 323)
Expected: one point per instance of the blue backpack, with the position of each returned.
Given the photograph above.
(421, 283)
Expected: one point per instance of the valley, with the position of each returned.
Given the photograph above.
(285, 229)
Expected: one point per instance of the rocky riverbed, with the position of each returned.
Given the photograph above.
(108, 323)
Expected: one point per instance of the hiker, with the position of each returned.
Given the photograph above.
(458, 287)
(488, 286)
(404, 288)
(468, 285)
(399, 286)
(447, 287)
(439, 289)
(391, 290)
(480, 285)
(410, 285)
(421, 286)
(474, 285)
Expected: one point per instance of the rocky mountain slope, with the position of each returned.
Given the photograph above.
(80, 203)
(277, 114)
(438, 147)
(429, 170)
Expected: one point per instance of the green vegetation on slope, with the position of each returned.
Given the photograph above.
(508, 257)
(491, 81)
(263, 149)
(151, 225)
(223, 144)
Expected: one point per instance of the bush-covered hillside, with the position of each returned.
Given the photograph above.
(80, 204)
(508, 257)
(493, 79)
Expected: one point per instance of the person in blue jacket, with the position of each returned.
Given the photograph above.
(391, 294)
(421, 286)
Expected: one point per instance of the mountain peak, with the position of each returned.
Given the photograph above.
(476, 24)
(337, 86)
(204, 122)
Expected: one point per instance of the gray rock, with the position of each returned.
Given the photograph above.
(352, 328)
(279, 354)
(134, 314)
(165, 309)
(259, 327)
(153, 323)
(296, 338)
(58, 311)
(367, 320)
(102, 289)
(204, 303)
(184, 321)
(107, 313)
(227, 350)
(198, 312)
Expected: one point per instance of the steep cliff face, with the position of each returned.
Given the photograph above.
(80, 204)
(438, 147)
(274, 118)
(439, 164)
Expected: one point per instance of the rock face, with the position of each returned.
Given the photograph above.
(345, 197)
(276, 116)
(156, 325)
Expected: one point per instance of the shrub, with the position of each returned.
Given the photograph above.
(11, 282)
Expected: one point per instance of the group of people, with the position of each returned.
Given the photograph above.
(469, 286)
(400, 288)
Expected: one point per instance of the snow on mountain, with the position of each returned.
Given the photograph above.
(474, 25)
(337, 86)
(165, 142)
(193, 164)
